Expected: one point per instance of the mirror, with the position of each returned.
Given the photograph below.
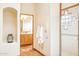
(26, 23)
(9, 25)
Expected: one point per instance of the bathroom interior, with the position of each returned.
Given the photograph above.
(38, 29)
(20, 32)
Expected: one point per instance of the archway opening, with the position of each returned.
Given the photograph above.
(9, 25)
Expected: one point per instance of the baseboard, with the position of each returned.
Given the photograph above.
(38, 51)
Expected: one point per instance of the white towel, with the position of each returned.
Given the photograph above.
(39, 34)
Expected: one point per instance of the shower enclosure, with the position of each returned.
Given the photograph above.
(70, 31)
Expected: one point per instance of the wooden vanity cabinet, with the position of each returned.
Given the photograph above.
(26, 39)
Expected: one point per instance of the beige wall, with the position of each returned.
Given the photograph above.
(9, 24)
(49, 16)
(43, 17)
(27, 8)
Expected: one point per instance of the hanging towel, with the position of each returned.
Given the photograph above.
(39, 34)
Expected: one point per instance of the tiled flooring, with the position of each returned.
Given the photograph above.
(28, 51)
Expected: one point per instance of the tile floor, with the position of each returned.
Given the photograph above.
(28, 51)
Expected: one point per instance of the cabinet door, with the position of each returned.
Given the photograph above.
(22, 39)
(28, 38)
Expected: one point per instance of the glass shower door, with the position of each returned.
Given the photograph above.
(69, 32)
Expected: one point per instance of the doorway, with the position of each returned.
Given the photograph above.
(26, 32)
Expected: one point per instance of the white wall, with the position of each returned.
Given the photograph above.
(6, 48)
(55, 29)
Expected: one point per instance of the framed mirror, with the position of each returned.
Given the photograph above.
(26, 23)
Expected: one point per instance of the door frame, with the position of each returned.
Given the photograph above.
(32, 28)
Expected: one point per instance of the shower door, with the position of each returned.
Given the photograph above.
(69, 32)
